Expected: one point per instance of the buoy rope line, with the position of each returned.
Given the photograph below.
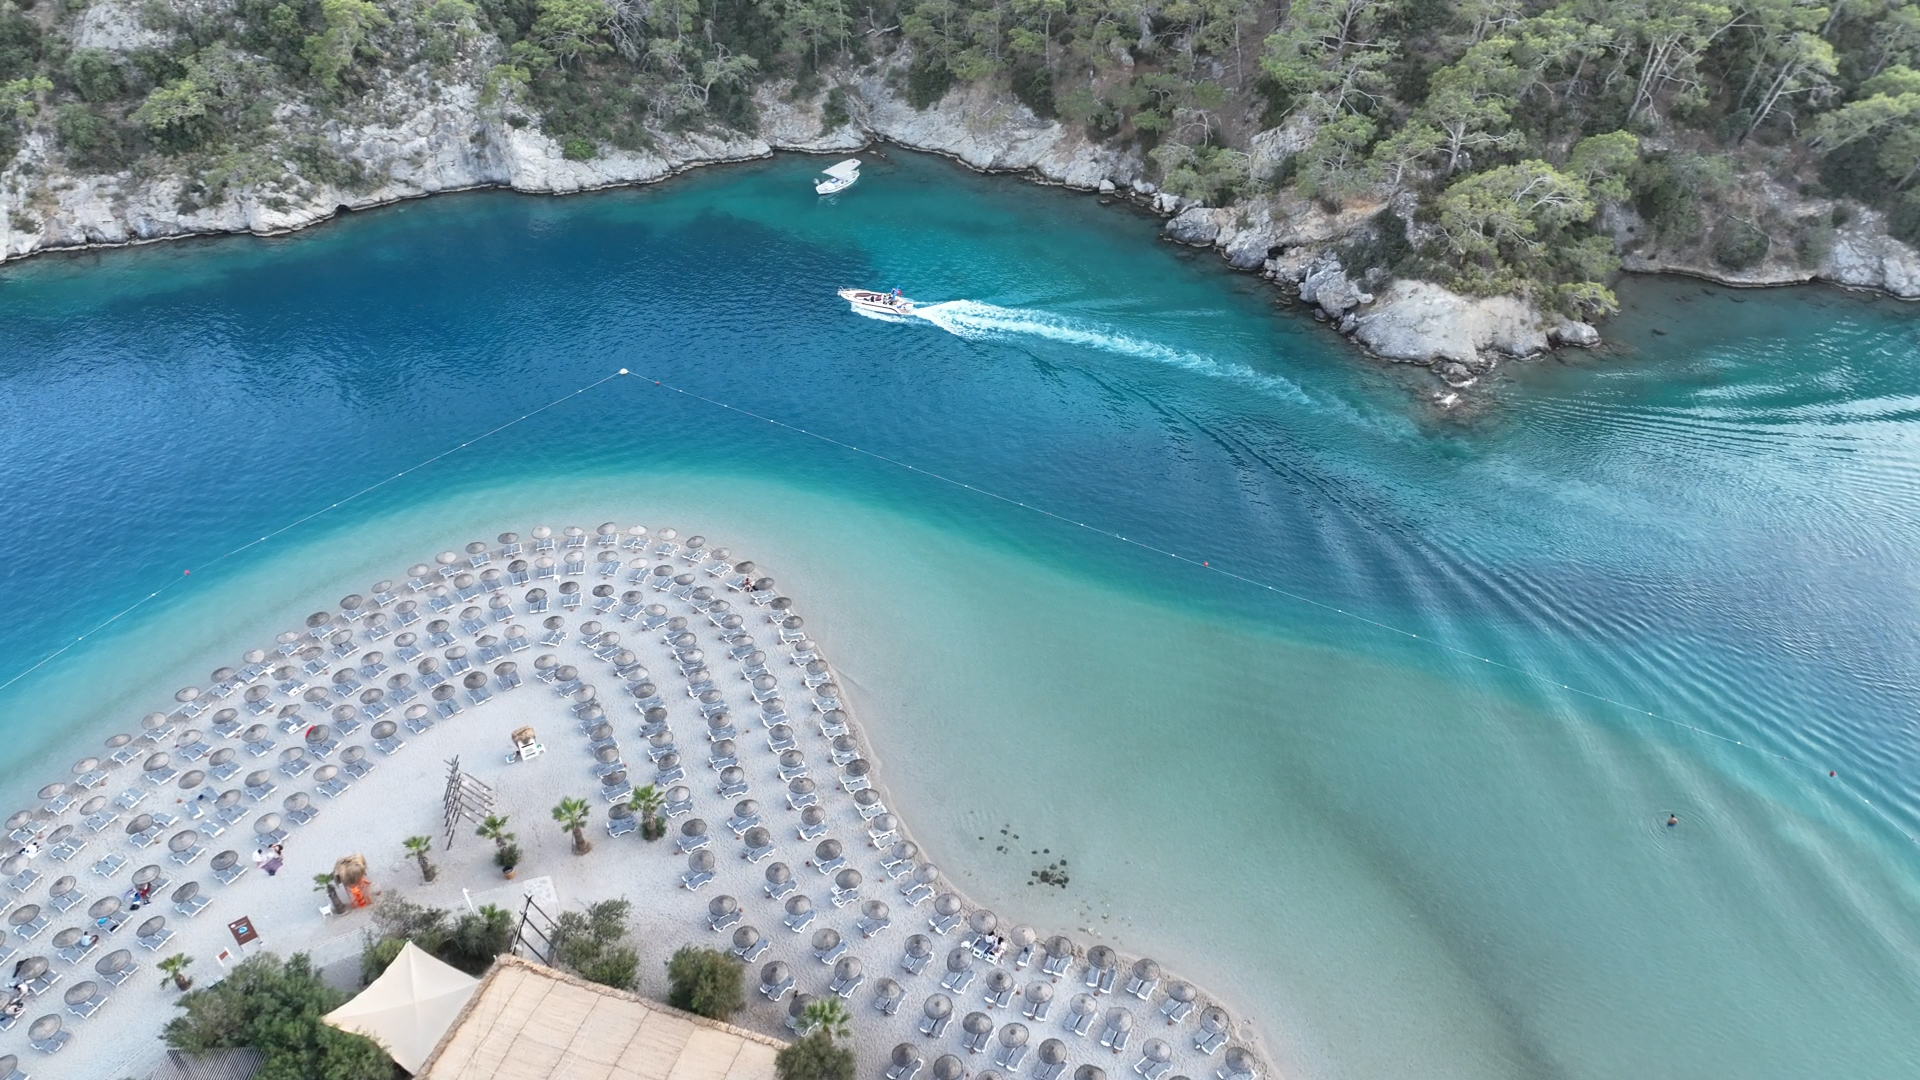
(296, 523)
(1366, 620)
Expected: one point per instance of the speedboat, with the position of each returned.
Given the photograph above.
(838, 177)
(877, 303)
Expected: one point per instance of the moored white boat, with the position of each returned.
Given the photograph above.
(838, 177)
(877, 303)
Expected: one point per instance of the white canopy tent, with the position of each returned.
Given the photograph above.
(409, 1007)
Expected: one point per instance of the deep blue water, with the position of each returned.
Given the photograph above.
(1454, 847)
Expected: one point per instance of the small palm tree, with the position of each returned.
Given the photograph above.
(828, 1016)
(648, 801)
(418, 846)
(325, 881)
(494, 828)
(174, 968)
(572, 815)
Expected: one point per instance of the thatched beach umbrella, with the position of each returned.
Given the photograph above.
(93, 806)
(1239, 1064)
(1054, 1052)
(919, 947)
(847, 880)
(104, 908)
(977, 1023)
(184, 840)
(744, 939)
(85, 765)
(999, 982)
(959, 959)
(948, 1067)
(798, 905)
(778, 874)
(983, 922)
(1089, 1072)
(54, 791)
(926, 874)
(937, 1007)
(1038, 993)
(147, 874)
(1100, 958)
(140, 823)
(1013, 1035)
(1083, 1005)
(946, 905)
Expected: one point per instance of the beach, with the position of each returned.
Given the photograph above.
(401, 796)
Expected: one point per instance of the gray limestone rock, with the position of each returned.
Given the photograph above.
(1419, 322)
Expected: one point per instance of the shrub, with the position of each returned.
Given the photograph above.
(593, 944)
(274, 1006)
(579, 149)
(705, 981)
(1738, 243)
(94, 74)
(90, 140)
(816, 1057)
(1813, 243)
(834, 114)
(1033, 85)
(469, 942)
(476, 939)
(927, 82)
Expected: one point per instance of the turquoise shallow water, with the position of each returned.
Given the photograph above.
(1401, 858)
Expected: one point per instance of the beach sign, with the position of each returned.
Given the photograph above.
(243, 932)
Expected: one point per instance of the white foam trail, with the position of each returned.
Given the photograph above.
(976, 321)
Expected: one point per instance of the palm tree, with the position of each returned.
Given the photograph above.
(828, 1016)
(494, 828)
(418, 846)
(648, 800)
(572, 815)
(175, 969)
(325, 881)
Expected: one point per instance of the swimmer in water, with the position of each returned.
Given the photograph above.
(1672, 820)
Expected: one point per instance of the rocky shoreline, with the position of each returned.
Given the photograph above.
(432, 137)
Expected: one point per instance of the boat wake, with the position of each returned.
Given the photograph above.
(976, 321)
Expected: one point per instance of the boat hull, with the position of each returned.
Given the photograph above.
(875, 303)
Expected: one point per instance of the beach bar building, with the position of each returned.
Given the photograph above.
(525, 1021)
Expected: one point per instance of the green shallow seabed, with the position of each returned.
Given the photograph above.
(1398, 860)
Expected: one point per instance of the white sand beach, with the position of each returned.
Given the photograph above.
(402, 796)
